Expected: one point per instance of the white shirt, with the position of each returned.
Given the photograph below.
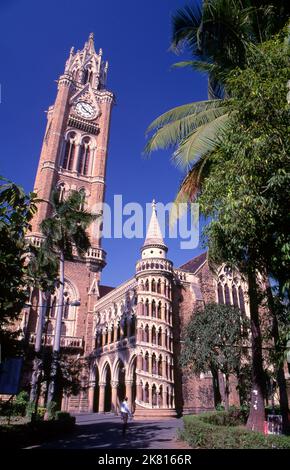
(124, 408)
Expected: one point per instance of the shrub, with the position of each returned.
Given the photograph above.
(200, 432)
(63, 416)
(15, 407)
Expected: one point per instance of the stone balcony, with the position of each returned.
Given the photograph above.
(93, 255)
(71, 342)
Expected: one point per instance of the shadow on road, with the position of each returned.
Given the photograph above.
(107, 434)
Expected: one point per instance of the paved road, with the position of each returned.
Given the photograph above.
(105, 432)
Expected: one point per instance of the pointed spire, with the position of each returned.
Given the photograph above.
(90, 44)
(154, 234)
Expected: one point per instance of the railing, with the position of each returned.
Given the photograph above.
(154, 264)
(65, 341)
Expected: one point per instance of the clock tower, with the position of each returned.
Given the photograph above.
(73, 157)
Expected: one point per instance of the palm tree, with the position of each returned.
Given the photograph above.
(65, 235)
(42, 273)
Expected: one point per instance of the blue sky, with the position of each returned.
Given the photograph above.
(35, 39)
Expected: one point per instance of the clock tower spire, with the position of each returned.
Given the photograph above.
(73, 157)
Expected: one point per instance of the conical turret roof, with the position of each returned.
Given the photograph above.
(154, 234)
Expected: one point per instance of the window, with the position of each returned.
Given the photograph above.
(84, 159)
(69, 152)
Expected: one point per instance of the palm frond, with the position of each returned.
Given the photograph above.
(182, 111)
(174, 132)
(185, 25)
(201, 141)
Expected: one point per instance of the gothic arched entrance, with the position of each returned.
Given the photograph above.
(121, 393)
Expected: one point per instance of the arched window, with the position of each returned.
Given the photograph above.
(84, 159)
(153, 308)
(146, 362)
(160, 365)
(154, 364)
(133, 325)
(63, 329)
(147, 285)
(227, 295)
(147, 307)
(124, 323)
(220, 294)
(159, 337)
(49, 328)
(159, 286)
(69, 152)
(53, 307)
(106, 335)
(154, 395)
(118, 331)
(153, 334)
(159, 310)
(146, 334)
(235, 296)
(66, 309)
(242, 300)
(153, 285)
(146, 393)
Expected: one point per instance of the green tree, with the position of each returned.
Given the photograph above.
(215, 340)
(248, 181)
(16, 211)
(65, 236)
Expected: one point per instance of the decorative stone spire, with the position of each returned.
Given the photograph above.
(90, 44)
(154, 234)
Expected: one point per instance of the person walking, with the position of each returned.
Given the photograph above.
(125, 414)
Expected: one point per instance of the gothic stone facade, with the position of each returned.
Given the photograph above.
(130, 333)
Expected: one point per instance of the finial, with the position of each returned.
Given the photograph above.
(154, 205)
(72, 50)
(100, 51)
(91, 36)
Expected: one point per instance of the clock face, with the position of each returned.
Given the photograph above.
(85, 110)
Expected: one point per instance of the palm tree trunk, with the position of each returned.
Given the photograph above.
(283, 397)
(257, 408)
(57, 334)
(37, 362)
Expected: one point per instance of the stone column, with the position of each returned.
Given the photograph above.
(164, 375)
(163, 342)
(109, 335)
(163, 312)
(139, 362)
(102, 398)
(104, 337)
(150, 309)
(114, 396)
(150, 395)
(139, 392)
(150, 364)
(129, 384)
(164, 398)
(91, 396)
(76, 157)
(150, 334)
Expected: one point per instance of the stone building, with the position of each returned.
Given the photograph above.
(131, 333)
